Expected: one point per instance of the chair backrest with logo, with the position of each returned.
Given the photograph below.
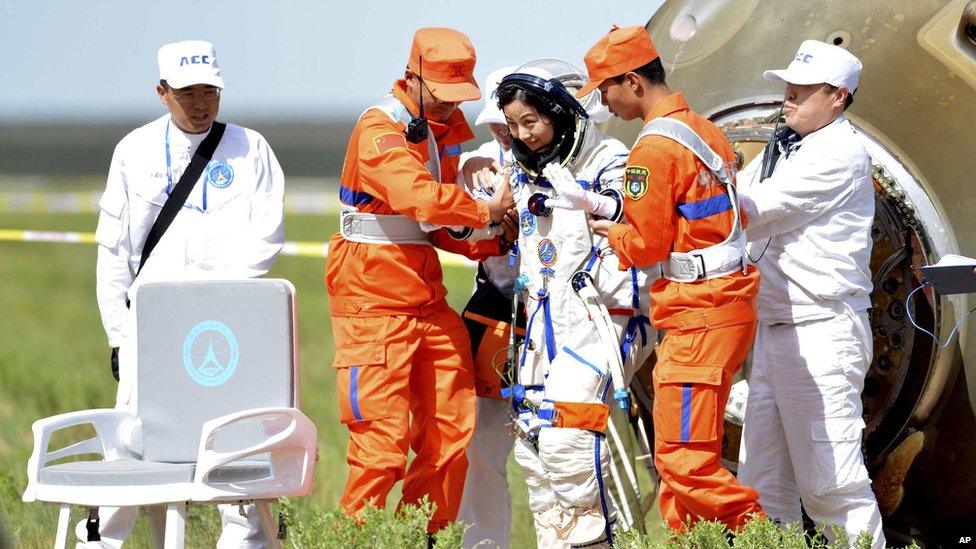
(210, 348)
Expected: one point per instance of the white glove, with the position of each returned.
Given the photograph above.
(573, 197)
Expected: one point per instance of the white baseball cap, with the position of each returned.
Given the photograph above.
(820, 63)
(491, 114)
(189, 62)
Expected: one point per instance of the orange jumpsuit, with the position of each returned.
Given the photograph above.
(403, 358)
(673, 204)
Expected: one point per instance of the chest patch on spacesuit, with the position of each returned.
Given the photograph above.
(527, 222)
(635, 182)
(547, 252)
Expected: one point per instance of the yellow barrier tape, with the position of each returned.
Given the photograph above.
(46, 236)
(291, 248)
(48, 201)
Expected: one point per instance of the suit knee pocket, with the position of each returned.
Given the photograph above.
(361, 382)
(686, 407)
(837, 459)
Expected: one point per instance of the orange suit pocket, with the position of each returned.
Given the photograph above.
(686, 402)
(361, 382)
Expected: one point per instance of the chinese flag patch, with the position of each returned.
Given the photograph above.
(389, 141)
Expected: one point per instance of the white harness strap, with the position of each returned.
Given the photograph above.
(380, 229)
(721, 259)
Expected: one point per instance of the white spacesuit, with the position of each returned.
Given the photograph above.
(587, 328)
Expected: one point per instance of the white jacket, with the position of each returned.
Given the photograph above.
(230, 227)
(816, 209)
(501, 270)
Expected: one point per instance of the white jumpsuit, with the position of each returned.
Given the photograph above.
(231, 226)
(486, 506)
(565, 359)
(803, 425)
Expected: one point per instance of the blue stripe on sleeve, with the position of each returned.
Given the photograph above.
(353, 198)
(705, 208)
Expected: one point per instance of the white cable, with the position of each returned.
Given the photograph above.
(955, 328)
(622, 506)
(628, 468)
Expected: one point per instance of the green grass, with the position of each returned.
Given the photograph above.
(54, 359)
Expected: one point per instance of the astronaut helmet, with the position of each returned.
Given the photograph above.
(548, 85)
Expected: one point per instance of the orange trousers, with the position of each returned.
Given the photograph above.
(402, 382)
(692, 380)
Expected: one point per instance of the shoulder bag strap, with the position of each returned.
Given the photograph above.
(181, 191)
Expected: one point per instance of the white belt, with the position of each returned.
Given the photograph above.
(380, 229)
(711, 262)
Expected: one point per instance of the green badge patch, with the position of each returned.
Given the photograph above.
(635, 182)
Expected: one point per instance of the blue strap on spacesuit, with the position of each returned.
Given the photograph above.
(594, 255)
(549, 335)
(635, 323)
(516, 393)
(547, 410)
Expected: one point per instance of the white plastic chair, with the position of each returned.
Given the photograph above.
(215, 420)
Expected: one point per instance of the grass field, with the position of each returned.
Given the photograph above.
(54, 358)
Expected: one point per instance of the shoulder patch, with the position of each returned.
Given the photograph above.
(389, 141)
(635, 182)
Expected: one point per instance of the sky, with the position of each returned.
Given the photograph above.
(95, 60)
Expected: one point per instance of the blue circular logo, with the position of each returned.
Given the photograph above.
(210, 353)
(527, 221)
(547, 252)
(220, 174)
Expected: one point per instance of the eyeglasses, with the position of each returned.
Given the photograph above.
(187, 96)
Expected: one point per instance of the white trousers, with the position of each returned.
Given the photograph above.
(486, 506)
(568, 474)
(115, 525)
(801, 438)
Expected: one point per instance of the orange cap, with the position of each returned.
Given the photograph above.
(448, 68)
(621, 50)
